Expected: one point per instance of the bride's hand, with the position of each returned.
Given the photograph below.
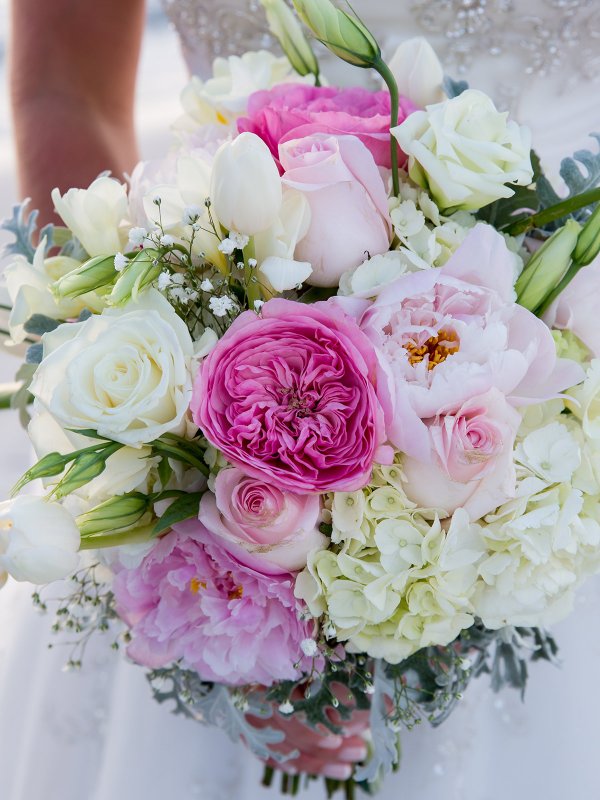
(321, 751)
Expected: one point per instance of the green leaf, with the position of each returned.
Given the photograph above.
(185, 507)
(165, 471)
(524, 202)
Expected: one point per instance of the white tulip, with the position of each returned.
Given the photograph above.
(246, 190)
(284, 273)
(124, 373)
(39, 541)
(464, 152)
(418, 72)
(94, 214)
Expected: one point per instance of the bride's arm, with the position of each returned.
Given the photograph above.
(72, 81)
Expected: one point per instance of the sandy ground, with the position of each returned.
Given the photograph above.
(156, 106)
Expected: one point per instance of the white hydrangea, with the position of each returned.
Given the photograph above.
(542, 544)
(400, 580)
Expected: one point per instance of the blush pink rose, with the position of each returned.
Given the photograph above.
(290, 397)
(293, 111)
(190, 600)
(348, 202)
(471, 464)
(447, 335)
(267, 529)
(576, 309)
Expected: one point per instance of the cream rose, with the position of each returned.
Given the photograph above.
(464, 151)
(124, 373)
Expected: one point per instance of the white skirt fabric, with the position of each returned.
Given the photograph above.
(98, 735)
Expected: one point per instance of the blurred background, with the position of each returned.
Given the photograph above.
(157, 105)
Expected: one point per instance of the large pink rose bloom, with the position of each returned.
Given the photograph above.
(451, 334)
(576, 309)
(348, 202)
(293, 111)
(265, 528)
(191, 600)
(289, 397)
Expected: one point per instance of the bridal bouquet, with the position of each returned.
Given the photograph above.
(316, 402)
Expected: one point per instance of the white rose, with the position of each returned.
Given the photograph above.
(224, 97)
(418, 72)
(94, 214)
(464, 151)
(29, 289)
(39, 541)
(124, 373)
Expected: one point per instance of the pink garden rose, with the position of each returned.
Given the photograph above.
(263, 527)
(450, 334)
(471, 463)
(576, 309)
(348, 203)
(293, 111)
(289, 397)
(190, 600)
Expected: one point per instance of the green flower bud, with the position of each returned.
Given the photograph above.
(114, 514)
(86, 466)
(94, 274)
(588, 243)
(294, 44)
(547, 266)
(344, 34)
(140, 272)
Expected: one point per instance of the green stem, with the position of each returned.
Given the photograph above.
(553, 213)
(116, 539)
(385, 72)
(268, 775)
(6, 395)
(350, 789)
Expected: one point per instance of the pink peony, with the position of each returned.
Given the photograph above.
(265, 528)
(348, 202)
(472, 458)
(289, 397)
(293, 111)
(191, 600)
(576, 309)
(450, 334)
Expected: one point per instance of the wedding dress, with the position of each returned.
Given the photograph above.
(97, 735)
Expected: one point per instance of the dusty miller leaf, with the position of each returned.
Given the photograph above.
(454, 88)
(39, 324)
(581, 172)
(214, 704)
(22, 226)
(385, 754)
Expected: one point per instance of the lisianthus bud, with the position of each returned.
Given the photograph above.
(344, 34)
(114, 514)
(588, 243)
(39, 541)
(294, 44)
(246, 191)
(547, 266)
(94, 274)
(140, 272)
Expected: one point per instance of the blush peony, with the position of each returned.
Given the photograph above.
(450, 334)
(290, 397)
(189, 600)
(294, 111)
